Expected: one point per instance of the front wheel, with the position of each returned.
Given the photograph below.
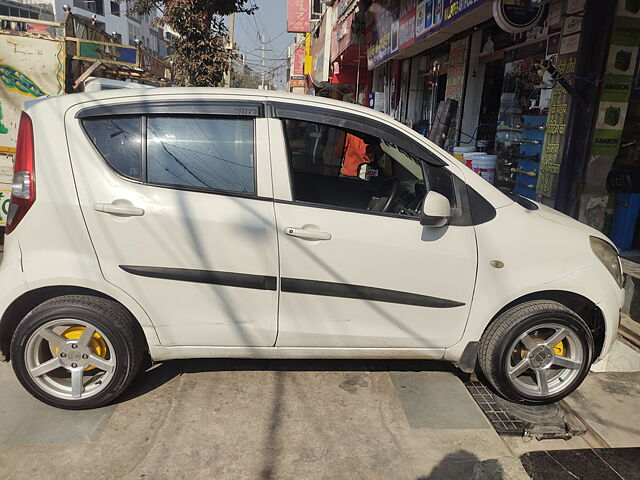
(76, 352)
(536, 353)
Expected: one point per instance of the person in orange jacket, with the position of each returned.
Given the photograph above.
(356, 152)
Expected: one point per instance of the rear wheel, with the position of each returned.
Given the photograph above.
(536, 353)
(76, 352)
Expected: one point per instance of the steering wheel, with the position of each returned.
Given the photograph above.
(386, 197)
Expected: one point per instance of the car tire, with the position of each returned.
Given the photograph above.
(536, 353)
(77, 352)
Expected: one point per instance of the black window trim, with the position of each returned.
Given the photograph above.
(232, 108)
(143, 149)
(357, 123)
(143, 180)
(328, 206)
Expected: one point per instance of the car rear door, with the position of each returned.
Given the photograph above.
(352, 277)
(176, 194)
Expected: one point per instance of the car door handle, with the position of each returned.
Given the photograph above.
(123, 210)
(307, 234)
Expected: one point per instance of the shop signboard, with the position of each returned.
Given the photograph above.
(344, 36)
(424, 16)
(555, 130)
(299, 16)
(298, 60)
(308, 59)
(516, 16)
(618, 81)
(456, 75)
(389, 24)
(320, 67)
(381, 17)
(407, 28)
(5, 200)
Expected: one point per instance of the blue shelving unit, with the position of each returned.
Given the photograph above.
(529, 155)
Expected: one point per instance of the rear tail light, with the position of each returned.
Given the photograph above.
(23, 192)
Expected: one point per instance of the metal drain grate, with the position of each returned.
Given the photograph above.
(535, 421)
(502, 421)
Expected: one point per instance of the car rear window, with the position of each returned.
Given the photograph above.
(119, 140)
(212, 153)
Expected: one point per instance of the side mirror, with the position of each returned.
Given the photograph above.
(366, 171)
(436, 210)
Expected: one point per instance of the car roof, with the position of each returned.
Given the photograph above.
(231, 93)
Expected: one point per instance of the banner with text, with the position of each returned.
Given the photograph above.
(393, 25)
(299, 16)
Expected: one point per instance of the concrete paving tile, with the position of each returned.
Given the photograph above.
(124, 442)
(25, 420)
(608, 402)
(437, 400)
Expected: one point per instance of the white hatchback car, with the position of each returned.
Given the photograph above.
(234, 223)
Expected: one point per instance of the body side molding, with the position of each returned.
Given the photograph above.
(292, 285)
(230, 279)
(346, 290)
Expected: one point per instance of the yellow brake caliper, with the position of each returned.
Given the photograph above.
(558, 349)
(97, 344)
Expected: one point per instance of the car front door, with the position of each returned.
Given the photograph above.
(177, 198)
(353, 276)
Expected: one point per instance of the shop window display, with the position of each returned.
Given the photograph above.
(623, 181)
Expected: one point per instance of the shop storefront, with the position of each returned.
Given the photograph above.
(409, 51)
(519, 89)
(350, 78)
(615, 146)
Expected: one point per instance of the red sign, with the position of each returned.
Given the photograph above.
(298, 60)
(299, 16)
(342, 35)
(407, 25)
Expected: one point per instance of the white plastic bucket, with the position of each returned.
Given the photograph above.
(459, 152)
(485, 166)
(468, 157)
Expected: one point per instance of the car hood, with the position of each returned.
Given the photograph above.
(555, 216)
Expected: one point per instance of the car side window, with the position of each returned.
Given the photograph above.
(118, 139)
(204, 152)
(339, 167)
(214, 153)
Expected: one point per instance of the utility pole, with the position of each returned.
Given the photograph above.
(262, 45)
(232, 23)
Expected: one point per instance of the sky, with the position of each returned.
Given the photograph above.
(270, 20)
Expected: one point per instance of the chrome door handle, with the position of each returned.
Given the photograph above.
(307, 234)
(119, 209)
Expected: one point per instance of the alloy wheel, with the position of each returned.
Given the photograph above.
(545, 360)
(70, 359)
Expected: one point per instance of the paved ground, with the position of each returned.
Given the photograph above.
(291, 419)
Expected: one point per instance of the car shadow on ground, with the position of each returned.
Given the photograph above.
(162, 372)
